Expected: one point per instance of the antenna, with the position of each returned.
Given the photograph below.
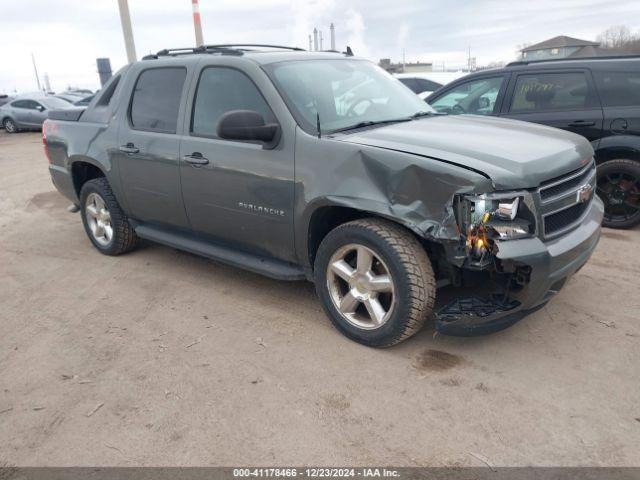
(349, 52)
(318, 125)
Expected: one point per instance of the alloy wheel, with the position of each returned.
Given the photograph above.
(9, 126)
(98, 219)
(361, 286)
(620, 192)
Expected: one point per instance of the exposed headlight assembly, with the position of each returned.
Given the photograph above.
(496, 216)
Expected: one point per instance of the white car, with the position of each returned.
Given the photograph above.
(425, 83)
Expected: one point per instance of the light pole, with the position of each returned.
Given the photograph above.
(197, 24)
(127, 31)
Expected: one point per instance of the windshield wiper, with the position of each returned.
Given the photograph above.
(368, 123)
(422, 114)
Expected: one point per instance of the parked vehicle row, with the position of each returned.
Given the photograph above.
(28, 112)
(596, 98)
(321, 166)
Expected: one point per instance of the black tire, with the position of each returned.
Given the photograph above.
(408, 265)
(124, 237)
(9, 125)
(618, 185)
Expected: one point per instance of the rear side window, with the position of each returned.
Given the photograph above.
(156, 99)
(619, 89)
(221, 90)
(550, 91)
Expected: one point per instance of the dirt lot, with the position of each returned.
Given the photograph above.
(163, 358)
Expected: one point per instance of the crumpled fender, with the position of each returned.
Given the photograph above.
(415, 191)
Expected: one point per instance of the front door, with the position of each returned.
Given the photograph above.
(237, 193)
(148, 147)
(565, 100)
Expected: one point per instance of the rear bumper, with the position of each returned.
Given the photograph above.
(552, 264)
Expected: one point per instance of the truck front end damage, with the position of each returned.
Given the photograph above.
(515, 251)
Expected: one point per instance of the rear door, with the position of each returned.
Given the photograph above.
(148, 144)
(564, 99)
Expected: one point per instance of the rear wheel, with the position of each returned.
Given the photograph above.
(104, 221)
(618, 185)
(9, 125)
(375, 281)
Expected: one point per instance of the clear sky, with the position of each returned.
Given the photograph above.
(66, 36)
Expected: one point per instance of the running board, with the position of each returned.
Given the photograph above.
(265, 266)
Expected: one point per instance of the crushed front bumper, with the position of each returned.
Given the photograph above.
(552, 264)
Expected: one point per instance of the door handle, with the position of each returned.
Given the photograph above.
(196, 158)
(128, 148)
(582, 123)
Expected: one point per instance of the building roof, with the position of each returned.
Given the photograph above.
(559, 42)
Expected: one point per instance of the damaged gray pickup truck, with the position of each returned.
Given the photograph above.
(321, 166)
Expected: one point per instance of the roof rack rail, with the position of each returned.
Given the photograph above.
(241, 46)
(572, 59)
(224, 49)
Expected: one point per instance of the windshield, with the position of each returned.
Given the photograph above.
(343, 93)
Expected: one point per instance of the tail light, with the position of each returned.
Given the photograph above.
(44, 140)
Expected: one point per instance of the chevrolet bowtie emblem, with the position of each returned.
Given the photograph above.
(584, 193)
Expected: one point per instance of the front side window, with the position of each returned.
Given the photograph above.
(476, 96)
(341, 93)
(27, 104)
(619, 89)
(156, 99)
(221, 90)
(550, 91)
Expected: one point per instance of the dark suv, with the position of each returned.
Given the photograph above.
(322, 166)
(596, 98)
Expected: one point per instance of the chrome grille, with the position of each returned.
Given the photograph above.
(561, 205)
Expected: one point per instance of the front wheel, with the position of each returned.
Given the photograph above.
(375, 281)
(9, 125)
(618, 185)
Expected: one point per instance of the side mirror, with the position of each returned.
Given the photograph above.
(247, 125)
(40, 108)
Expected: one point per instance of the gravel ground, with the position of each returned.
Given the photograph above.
(159, 357)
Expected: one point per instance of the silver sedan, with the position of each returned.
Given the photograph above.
(29, 112)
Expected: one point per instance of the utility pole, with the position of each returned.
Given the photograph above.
(35, 69)
(333, 37)
(127, 31)
(315, 39)
(197, 23)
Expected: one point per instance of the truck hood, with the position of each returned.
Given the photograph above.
(513, 154)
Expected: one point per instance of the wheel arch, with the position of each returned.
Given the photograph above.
(328, 215)
(82, 171)
(625, 147)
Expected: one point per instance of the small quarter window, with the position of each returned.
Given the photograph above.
(619, 89)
